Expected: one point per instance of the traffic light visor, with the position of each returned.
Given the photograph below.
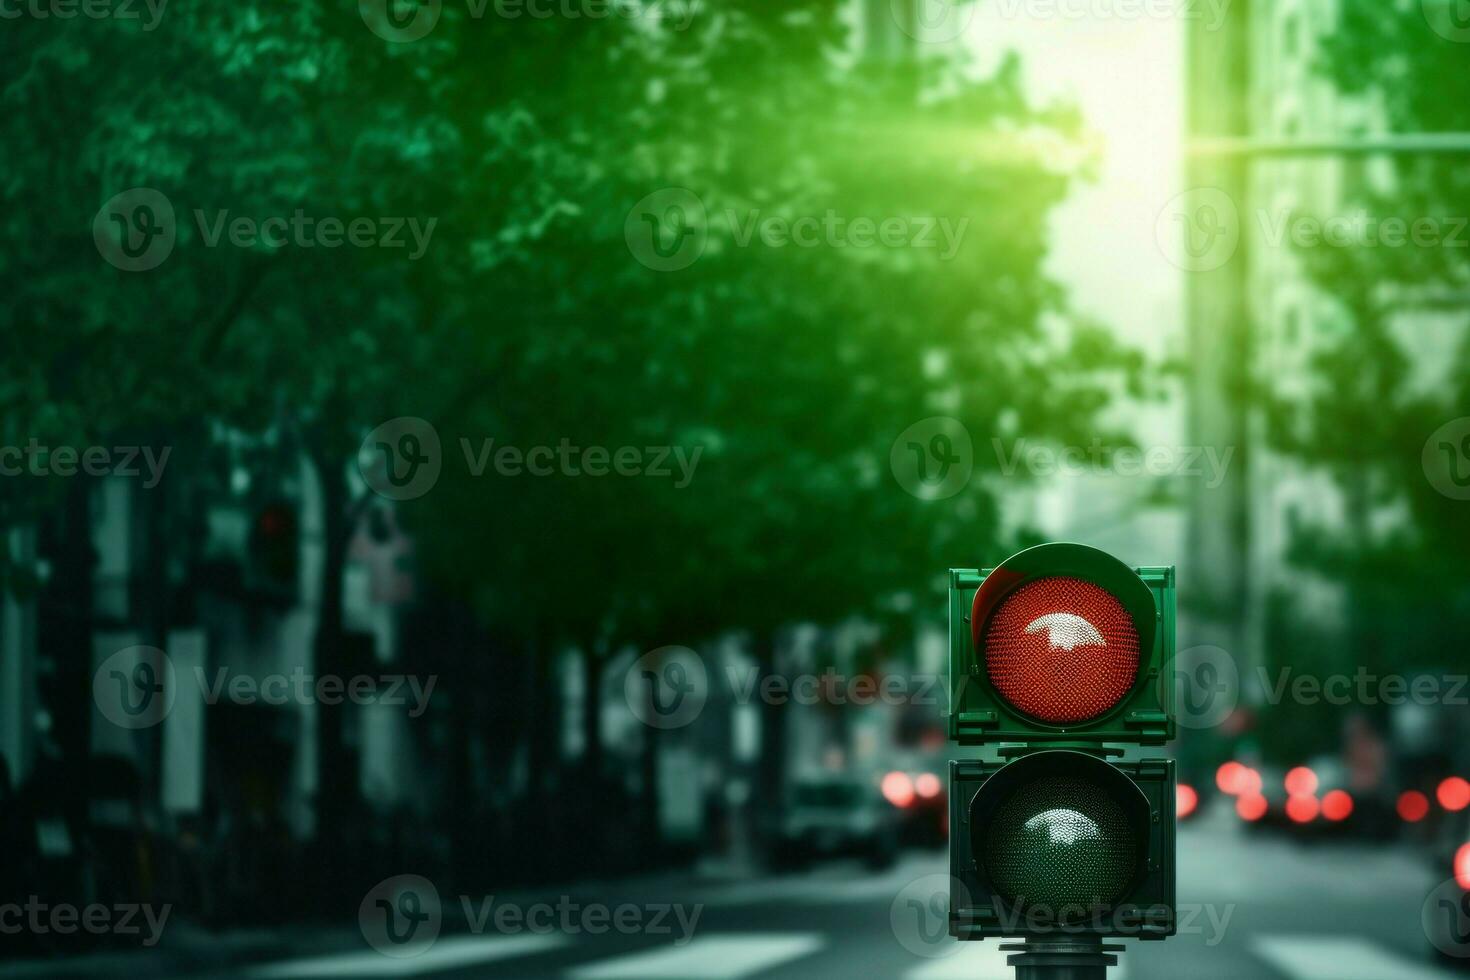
(1060, 631)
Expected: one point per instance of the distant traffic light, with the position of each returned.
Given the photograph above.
(1057, 658)
(275, 546)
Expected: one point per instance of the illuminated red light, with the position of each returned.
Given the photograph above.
(1453, 794)
(1251, 808)
(1228, 777)
(898, 789)
(1413, 806)
(1250, 782)
(1337, 805)
(1301, 781)
(1303, 809)
(1462, 867)
(927, 785)
(1186, 800)
(1062, 650)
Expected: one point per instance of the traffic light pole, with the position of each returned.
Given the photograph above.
(1064, 959)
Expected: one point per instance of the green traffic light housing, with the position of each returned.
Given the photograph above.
(1061, 643)
(1061, 842)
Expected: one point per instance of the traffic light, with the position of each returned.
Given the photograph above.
(275, 545)
(1058, 659)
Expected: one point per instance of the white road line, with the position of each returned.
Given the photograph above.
(1340, 958)
(445, 954)
(726, 957)
(984, 961)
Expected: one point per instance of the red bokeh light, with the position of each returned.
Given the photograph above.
(1453, 794)
(1303, 809)
(1462, 867)
(1251, 808)
(1186, 800)
(1301, 781)
(1250, 782)
(927, 785)
(1337, 805)
(1062, 650)
(1228, 776)
(1413, 806)
(898, 789)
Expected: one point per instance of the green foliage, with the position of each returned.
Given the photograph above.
(793, 369)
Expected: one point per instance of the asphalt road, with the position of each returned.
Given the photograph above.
(1262, 906)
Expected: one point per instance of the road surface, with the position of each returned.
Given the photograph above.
(1263, 906)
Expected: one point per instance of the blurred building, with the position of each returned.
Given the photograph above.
(1256, 320)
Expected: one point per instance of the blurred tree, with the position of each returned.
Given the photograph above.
(1389, 364)
(790, 369)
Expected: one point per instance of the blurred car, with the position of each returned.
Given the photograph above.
(836, 817)
(1447, 924)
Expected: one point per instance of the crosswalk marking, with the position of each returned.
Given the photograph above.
(445, 954)
(725, 957)
(1340, 958)
(982, 961)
